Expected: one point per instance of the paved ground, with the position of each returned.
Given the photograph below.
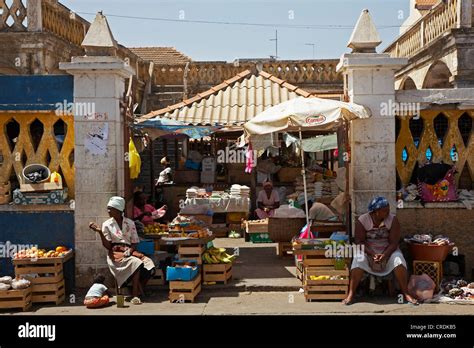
(263, 284)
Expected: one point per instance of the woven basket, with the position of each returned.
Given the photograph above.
(283, 230)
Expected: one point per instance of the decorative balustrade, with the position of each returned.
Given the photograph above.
(213, 73)
(426, 141)
(427, 29)
(33, 137)
(61, 21)
(13, 17)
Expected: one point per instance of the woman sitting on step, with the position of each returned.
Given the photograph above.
(378, 232)
(119, 236)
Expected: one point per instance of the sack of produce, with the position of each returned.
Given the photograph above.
(6, 280)
(4, 287)
(20, 284)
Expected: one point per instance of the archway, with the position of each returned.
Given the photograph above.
(438, 76)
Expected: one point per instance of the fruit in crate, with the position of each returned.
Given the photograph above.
(217, 255)
(156, 229)
(35, 253)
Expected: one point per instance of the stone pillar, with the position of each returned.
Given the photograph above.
(98, 88)
(370, 81)
(464, 11)
(34, 15)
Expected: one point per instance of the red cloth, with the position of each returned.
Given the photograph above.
(96, 302)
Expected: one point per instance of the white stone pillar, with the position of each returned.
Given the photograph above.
(98, 88)
(370, 82)
(34, 15)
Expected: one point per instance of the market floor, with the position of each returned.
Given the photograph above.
(262, 283)
(254, 303)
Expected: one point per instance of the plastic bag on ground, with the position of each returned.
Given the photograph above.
(421, 286)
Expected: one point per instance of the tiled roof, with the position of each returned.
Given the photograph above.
(161, 55)
(233, 102)
(425, 4)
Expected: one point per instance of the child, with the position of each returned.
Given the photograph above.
(98, 295)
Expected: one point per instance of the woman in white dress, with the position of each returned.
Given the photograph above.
(267, 201)
(378, 232)
(119, 236)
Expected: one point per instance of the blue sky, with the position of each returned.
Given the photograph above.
(335, 19)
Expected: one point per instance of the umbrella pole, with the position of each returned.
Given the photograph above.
(304, 178)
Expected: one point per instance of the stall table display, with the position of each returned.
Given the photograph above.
(45, 273)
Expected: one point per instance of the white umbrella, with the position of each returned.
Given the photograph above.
(303, 114)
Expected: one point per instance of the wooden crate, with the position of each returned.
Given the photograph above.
(191, 252)
(183, 291)
(257, 226)
(54, 292)
(317, 258)
(284, 249)
(48, 273)
(158, 279)
(221, 273)
(325, 289)
(16, 299)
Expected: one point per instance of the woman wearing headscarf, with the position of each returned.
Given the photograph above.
(267, 201)
(378, 232)
(119, 236)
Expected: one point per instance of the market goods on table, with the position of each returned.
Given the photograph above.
(158, 229)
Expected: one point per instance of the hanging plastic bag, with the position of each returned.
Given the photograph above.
(306, 233)
(421, 287)
(135, 161)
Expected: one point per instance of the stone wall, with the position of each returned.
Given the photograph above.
(455, 223)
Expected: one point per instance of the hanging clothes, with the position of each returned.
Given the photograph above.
(134, 159)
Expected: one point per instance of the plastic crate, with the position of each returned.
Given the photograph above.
(260, 238)
(180, 273)
(146, 246)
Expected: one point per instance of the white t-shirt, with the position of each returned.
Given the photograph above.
(97, 290)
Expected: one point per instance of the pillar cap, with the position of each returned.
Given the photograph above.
(365, 37)
(99, 40)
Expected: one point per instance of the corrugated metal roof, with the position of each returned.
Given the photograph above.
(233, 102)
(161, 55)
